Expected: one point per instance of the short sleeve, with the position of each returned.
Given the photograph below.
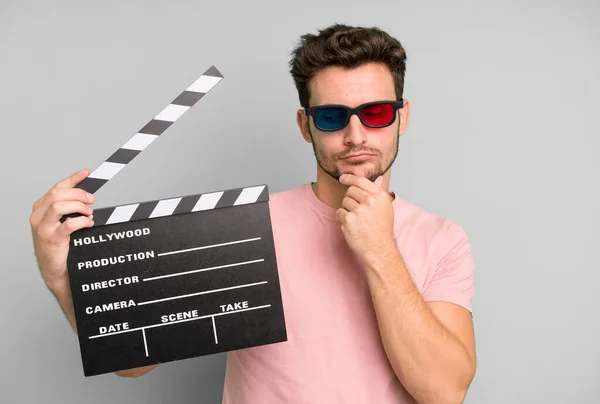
(453, 280)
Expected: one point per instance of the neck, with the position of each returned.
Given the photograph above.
(329, 191)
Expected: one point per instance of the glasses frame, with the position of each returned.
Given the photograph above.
(396, 105)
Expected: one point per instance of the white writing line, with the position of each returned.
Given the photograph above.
(208, 246)
(145, 344)
(215, 330)
(177, 322)
(202, 270)
(200, 293)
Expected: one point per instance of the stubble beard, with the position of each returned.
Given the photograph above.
(372, 174)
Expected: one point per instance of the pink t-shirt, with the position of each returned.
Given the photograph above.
(334, 352)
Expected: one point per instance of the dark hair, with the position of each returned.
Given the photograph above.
(345, 46)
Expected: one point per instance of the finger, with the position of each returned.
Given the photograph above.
(73, 224)
(58, 195)
(349, 203)
(360, 182)
(50, 222)
(341, 215)
(69, 182)
(73, 179)
(358, 194)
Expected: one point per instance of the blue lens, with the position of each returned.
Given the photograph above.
(330, 118)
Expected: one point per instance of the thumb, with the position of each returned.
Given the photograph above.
(379, 181)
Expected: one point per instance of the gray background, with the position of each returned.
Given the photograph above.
(503, 139)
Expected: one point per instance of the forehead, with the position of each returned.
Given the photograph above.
(352, 87)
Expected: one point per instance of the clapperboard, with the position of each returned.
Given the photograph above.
(166, 280)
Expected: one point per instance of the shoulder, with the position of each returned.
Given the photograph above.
(438, 254)
(287, 199)
(437, 233)
(289, 212)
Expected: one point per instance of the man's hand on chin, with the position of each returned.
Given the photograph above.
(367, 218)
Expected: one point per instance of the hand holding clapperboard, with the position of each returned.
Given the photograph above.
(166, 280)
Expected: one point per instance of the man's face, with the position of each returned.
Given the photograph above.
(356, 149)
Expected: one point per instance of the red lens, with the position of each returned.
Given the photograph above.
(378, 114)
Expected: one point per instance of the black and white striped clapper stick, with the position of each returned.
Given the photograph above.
(151, 131)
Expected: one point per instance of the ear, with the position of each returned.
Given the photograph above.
(404, 117)
(303, 123)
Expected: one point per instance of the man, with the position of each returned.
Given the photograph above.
(376, 291)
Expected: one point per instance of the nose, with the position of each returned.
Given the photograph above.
(355, 133)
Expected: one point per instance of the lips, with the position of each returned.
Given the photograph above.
(357, 155)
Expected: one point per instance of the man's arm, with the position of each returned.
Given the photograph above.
(51, 241)
(62, 292)
(431, 346)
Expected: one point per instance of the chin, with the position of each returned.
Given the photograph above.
(365, 173)
(360, 170)
(369, 170)
(358, 173)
